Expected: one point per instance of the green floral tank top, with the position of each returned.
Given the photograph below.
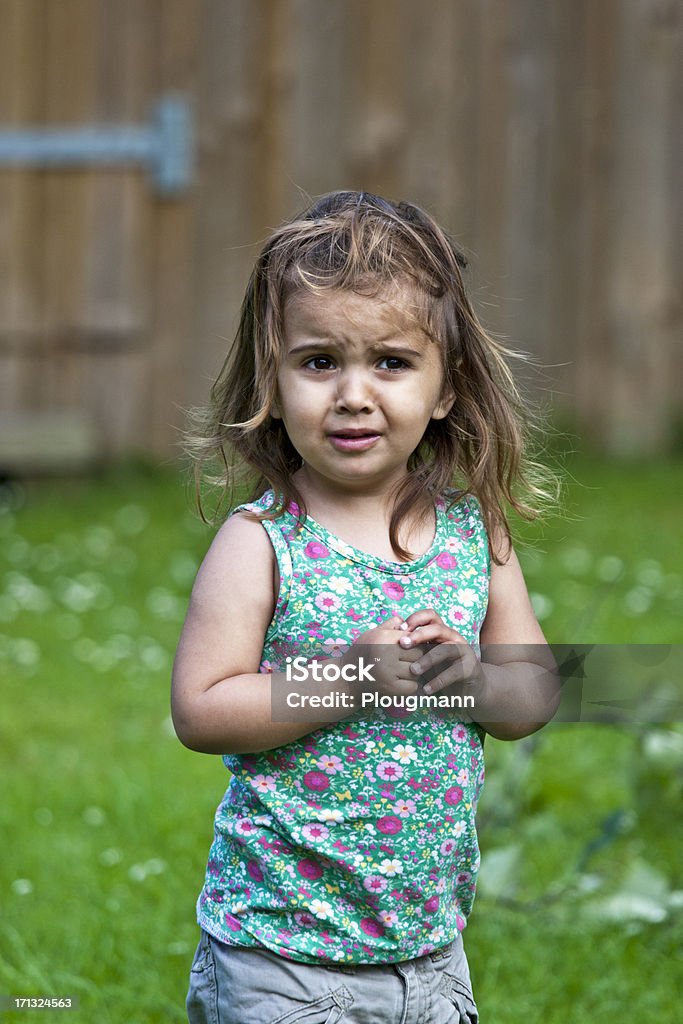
(357, 842)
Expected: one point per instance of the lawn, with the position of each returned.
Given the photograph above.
(107, 819)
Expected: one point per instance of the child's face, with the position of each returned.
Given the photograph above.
(358, 384)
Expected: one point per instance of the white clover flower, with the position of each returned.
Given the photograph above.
(390, 867)
(405, 753)
(322, 909)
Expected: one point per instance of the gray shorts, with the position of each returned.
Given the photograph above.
(233, 985)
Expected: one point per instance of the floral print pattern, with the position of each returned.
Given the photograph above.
(357, 842)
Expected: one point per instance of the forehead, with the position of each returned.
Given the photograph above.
(390, 312)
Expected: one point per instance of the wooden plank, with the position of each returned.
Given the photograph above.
(118, 246)
(641, 290)
(233, 175)
(596, 211)
(492, 111)
(21, 103)
(307, 80)
(440, 168)
(69, 75)
(172, 236)
(525, 181)
(374, 120)
(567, 193)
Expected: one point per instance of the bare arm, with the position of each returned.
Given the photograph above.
(220, 702)
(520, 678)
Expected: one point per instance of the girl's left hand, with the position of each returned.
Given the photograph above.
(442, 649)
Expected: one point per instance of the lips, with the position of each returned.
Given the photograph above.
(352, 440)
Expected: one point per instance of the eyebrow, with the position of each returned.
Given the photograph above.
(380, 346)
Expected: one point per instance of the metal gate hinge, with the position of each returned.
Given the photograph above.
(164, 146)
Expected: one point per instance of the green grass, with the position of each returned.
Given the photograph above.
(107, 819)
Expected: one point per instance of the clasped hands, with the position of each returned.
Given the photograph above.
(420, 652)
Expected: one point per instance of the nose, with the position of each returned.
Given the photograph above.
(355, 392)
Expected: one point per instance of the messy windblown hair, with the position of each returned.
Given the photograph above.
(362, 243)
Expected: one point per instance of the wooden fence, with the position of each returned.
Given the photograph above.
(543, 133)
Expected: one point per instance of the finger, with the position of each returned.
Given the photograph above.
(422, 617)
(393, 622)
(436, 632)
(450, 652)
(410, 654)
(460, 668)
(451, 673)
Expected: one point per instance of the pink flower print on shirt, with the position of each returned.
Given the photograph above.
(263, 783)
(453, 795)
(393, 590)
(314, 549)
(315, 832)
(432, 904)
(327, 601)
(445, 560)
(371, 926)
(389, 825)
(309, 868)
(375, 883)
(459, 734)
(232, 923)
(254, 871)
(388, 917)
(335, 648)
(330, 764)
(316, 780)
(447, 847)
(389, 770)
(404, 808)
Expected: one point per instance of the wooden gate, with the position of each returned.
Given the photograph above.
(95, 267)
(543, 133)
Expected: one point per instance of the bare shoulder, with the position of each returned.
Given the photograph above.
(230, 609)
(510, 617)
(238, 565)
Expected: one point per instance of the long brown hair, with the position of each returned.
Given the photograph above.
(358, 241)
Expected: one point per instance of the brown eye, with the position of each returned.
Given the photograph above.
(319, 363)
(393, 363)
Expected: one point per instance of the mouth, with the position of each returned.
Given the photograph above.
(351, 440)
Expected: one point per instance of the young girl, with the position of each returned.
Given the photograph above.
(388, 438)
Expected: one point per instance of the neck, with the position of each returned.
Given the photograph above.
(362, 518)
(372, 501)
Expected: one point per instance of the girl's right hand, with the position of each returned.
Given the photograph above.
(390, 663)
